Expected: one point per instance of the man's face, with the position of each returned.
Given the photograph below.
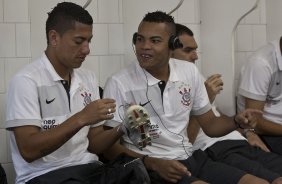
(72, 47)
(152, 49)
(189, 50)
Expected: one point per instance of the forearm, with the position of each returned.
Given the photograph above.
(193, 129)
(34, 143)
(118, 149)
(266, 127)
(216, 126)
(98, 134)
(221, 126)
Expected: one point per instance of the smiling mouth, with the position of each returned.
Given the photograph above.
(146, 57)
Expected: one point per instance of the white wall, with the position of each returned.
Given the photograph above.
(273, 18)
(22, 37)
(218, 18)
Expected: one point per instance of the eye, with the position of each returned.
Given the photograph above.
(78, 41)
(139, 39)
(189, 49)
(155, 41)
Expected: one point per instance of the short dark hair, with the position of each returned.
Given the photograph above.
(181, 29)
(161, 17)
(64, 16)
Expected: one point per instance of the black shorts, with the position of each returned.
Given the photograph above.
(253, 160)
(124, 169)
(274, 143)
(203, 168)
(68, 175)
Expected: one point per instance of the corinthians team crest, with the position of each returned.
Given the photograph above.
(86, 95)
(184, 90)
(87, 98)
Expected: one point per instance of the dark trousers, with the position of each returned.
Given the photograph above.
(203, 168)
(253, 160)
(274, 143)
(123, 170)
(71, 175)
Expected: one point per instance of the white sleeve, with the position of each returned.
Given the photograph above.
(255, 79)
(114, 90)
(201, 103)
(22, 103)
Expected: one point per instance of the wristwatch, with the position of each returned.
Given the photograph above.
(245, 131)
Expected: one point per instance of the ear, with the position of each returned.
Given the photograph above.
(53, 37)
(134, 38)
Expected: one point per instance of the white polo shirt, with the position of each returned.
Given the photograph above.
(261, 79)
(37, 97)
(184, 93)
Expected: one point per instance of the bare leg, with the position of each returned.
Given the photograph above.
(251, 179)
(277, 181)
(199, 182)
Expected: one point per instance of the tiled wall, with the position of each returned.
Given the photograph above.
(218, 18)
(14, 53)
(251, 34)
(22, 39)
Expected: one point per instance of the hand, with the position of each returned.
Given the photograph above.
(214, 85)
(136, 125)
(254, 140)
(98, 111)
(247, 119)
(170, 170)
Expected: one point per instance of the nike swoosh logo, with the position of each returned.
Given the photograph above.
(50, 101)
(144, 103)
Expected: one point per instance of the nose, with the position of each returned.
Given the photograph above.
(145, 44)
(86, 48)
(195, 55)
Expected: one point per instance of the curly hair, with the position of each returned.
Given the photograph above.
(161, 17)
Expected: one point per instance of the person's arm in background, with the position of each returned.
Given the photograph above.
(253, 139)
(214, 85)
(254, 82)
(264, 126)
